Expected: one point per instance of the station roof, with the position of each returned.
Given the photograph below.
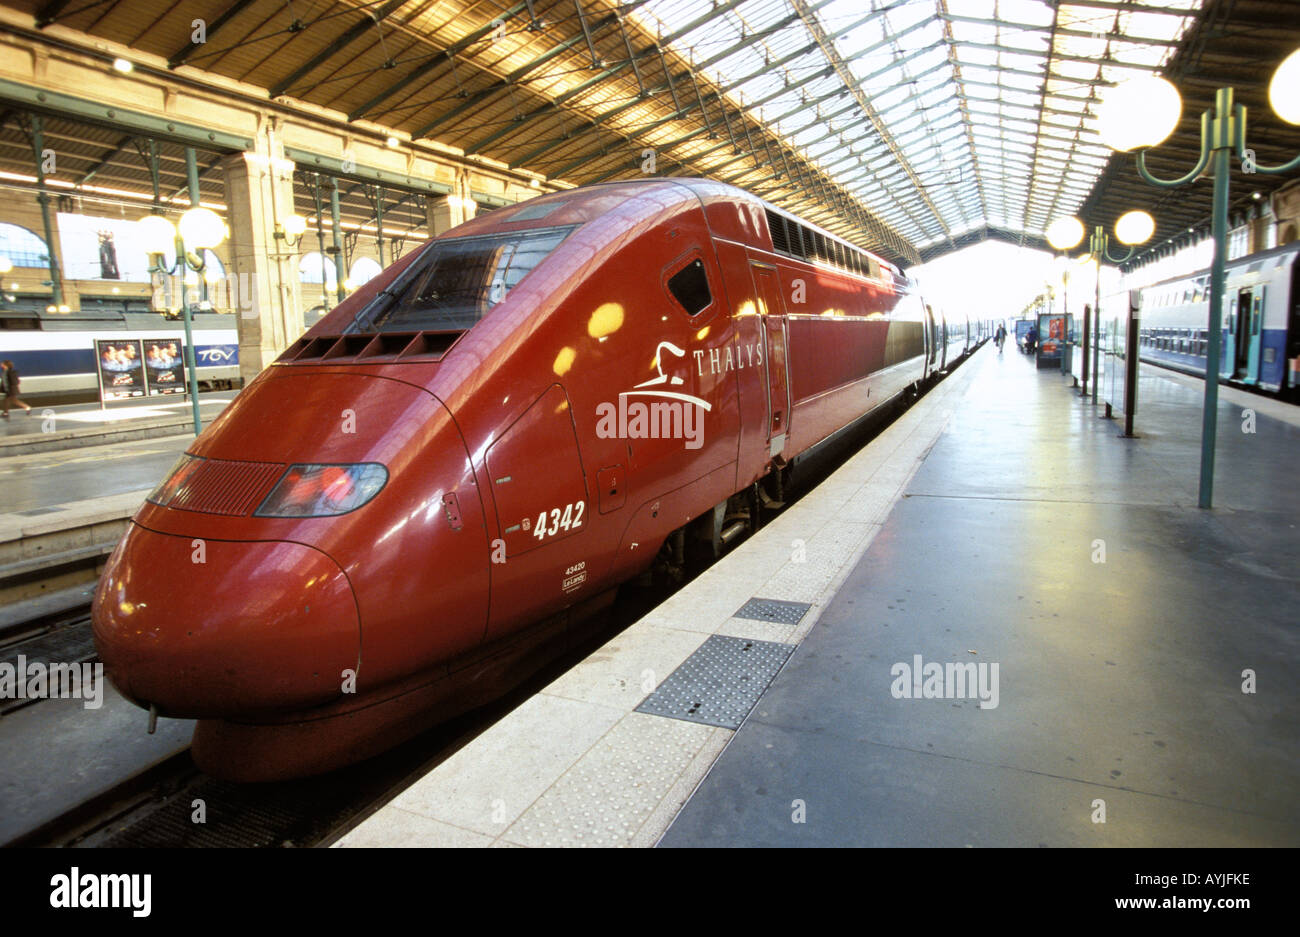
(910, 127)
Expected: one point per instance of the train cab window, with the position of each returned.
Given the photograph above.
(457, 281)
(690, 287)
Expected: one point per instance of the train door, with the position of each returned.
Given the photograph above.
(1227, 335)
(774, 332)
(1248, 320)
(933, 364)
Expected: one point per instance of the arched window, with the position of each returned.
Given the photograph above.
(22, 247)
(363, 271)
(317, 268)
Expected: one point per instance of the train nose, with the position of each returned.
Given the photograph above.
(206, 628)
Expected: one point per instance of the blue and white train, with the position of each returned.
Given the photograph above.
(1261, 322)
(62, 361)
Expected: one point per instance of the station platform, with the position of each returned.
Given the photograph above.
(71, 426)
(1146, 652)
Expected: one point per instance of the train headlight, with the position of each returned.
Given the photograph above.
(323, 490)
(181, 472)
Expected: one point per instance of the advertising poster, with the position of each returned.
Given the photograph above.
(121, 368)
(164, 366)
(1051, 334)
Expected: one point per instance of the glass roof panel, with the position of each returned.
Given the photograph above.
(961, 113)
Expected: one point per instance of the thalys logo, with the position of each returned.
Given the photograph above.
(668, 414)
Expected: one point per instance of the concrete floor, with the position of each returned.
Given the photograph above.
(1120, 682)
(53, 479)
(46, 419)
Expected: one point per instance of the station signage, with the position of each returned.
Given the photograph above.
(1051, 336)
(120, 366)
(164, 366)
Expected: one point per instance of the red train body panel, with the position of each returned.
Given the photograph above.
(542, 396)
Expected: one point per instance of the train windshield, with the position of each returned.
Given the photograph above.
(457, 281)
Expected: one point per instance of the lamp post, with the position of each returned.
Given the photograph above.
(1141, 114)
(1064, 234)
(199, 229)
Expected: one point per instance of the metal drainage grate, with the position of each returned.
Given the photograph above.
(787, 613)
(720, 683)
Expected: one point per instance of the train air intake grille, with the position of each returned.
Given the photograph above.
(227, 487)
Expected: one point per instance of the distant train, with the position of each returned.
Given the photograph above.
(1261, 322)
(398, 518)
(59, 362)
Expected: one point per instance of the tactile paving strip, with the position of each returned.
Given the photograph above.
(787, 613)
(720, 683)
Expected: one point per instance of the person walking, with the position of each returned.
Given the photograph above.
(9, 386)
(1000, 337)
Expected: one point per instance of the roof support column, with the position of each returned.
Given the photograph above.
(447, 211)
(264, 268)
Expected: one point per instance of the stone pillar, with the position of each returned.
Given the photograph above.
(446, 212)
(1286, 208)
(263, 269)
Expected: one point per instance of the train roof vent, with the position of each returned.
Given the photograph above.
(798, 240)
(371, 349)
(776, 225)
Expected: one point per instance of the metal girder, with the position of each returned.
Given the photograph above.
(513, 78)
(704, 111)
(840, 67)
(96, 112)
(121, 145)
(334, 166)
(681, 110)
(627, 44)
(586, 32)
(1123, 6)
(340, 42)
(1078, 33)
(49, 13)
(546, 108)
(559, 102)
(434, 61)
(1050, 54)
(177, 58)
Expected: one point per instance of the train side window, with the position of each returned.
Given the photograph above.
(690, 287)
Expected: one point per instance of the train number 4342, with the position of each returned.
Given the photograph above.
(567, 518)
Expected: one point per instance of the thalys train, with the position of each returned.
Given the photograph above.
(401, 515)
(1260, 338)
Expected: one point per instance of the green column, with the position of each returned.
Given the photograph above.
(1221, 145)
(336, 232)
(38, 146)
(192, 173)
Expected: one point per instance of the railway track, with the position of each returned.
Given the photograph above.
(170, 803)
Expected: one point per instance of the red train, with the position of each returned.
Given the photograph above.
(405, 513)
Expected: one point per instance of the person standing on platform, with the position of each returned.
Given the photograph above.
(9, 386)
